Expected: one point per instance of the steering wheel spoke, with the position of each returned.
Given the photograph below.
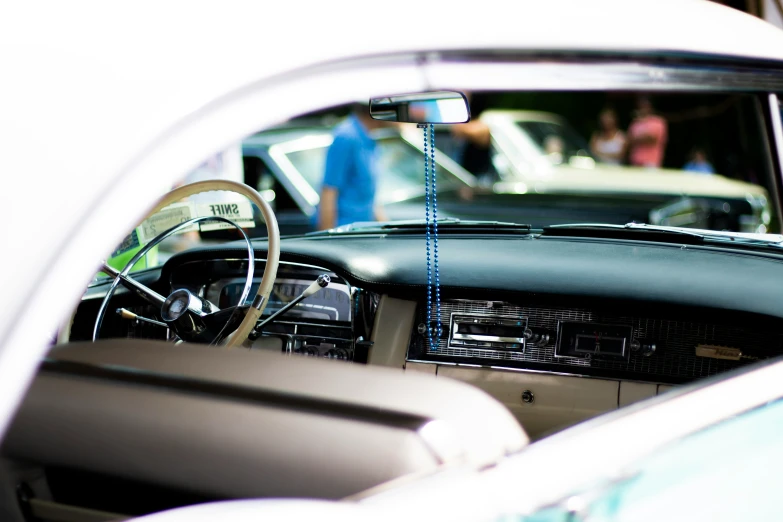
(149, 295)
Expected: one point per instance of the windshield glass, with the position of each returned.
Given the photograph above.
(558, 142)
(400, 165)
(540, 158)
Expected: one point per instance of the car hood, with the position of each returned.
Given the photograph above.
(609, 179)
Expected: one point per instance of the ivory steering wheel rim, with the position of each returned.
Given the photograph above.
(261, 297)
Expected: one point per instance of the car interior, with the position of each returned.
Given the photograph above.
(327, 363)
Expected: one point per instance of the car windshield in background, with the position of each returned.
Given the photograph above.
(558, 142)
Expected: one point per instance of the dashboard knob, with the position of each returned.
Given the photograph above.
(337, 353)
(308, 351)
(649, 349)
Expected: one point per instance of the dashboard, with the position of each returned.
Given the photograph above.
(333, 323)
(647, 312)
(559, 329)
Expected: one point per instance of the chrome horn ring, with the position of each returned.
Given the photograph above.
(201, 308)
(254, 311)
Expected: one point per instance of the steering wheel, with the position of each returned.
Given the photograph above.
(192, 317)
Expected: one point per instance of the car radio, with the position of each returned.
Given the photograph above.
(588, 340)
(488, 331)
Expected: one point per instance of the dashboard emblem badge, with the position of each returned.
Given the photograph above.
(718, 352)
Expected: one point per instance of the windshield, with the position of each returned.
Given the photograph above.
(399, 162)
(536, 158)
(557, 141)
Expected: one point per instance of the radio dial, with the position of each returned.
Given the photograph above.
(308, 351)
(337, 353)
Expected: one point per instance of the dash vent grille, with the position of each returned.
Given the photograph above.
(676, 358)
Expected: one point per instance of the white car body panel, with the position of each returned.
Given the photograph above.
(105, 107)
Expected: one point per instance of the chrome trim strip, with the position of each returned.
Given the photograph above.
(306, 336)
(317, 325)
(312, 141)
(263, 259)
(297, 179)
(488, 74)
(777, 130)
(545, 372)
(485, 319)
(488, 319)
(485, 338)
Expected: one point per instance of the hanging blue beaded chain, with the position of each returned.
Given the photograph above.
(431, 228)
(435, 232)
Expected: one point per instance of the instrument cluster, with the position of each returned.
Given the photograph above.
(332, 323)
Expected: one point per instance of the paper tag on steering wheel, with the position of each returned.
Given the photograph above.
(168, 217)
(239, 211)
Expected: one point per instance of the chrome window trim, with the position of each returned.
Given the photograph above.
(286, 184)
(777, 132)
(277, 153)
(313, 141)
(617, 75)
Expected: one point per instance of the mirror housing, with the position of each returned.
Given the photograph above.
(427, 107)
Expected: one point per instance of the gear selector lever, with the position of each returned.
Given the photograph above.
(322, 282)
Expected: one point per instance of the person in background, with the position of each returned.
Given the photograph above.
(351, 173)
(608, 142)
(475, 138)
(647, 136)
(553, 148)
(698, 162)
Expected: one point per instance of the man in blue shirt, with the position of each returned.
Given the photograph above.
(699, 163)
(351, 173)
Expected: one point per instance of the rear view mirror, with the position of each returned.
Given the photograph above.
(426, 107)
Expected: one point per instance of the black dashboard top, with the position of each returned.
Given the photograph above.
(678, 274)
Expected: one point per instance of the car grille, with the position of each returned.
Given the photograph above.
(674, 361)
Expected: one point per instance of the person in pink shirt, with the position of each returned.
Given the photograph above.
(646, 136)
